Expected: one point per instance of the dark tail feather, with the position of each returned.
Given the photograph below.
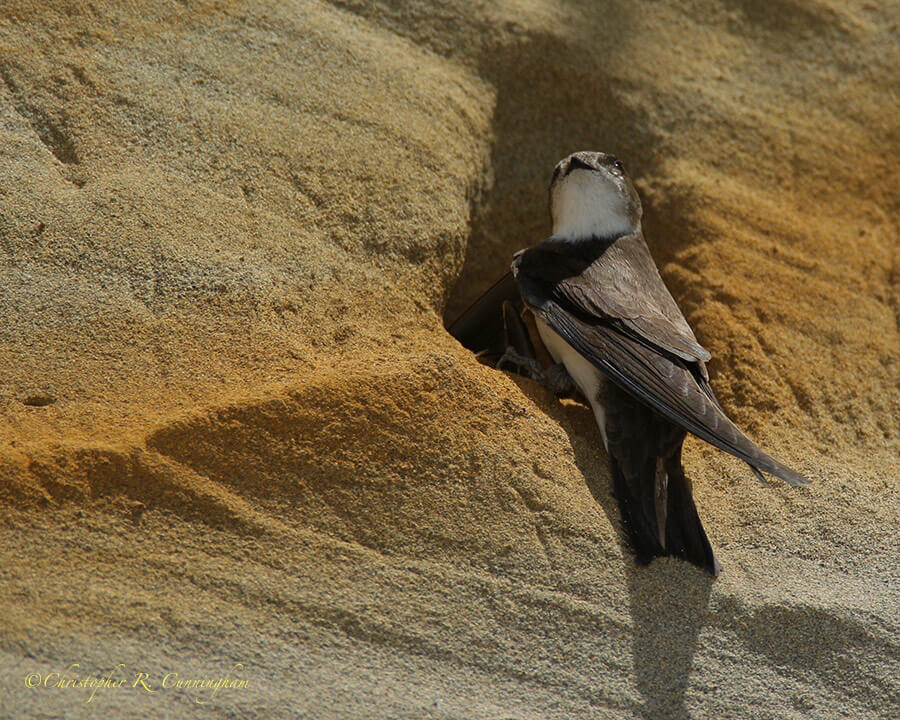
(636, 505)
(685, 536)
(645, 506)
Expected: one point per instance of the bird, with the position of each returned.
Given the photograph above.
(617, 337)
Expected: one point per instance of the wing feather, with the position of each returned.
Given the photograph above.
(616, 280)
(663, 383)
(607, 300)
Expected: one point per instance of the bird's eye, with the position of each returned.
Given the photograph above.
(618, 165)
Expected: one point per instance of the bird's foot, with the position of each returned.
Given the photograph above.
(558, 381)
(555, 378)
(521, 364)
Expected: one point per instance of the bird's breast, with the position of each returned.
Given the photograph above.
(588, 378)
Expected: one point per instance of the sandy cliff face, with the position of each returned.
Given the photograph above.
(235, 431)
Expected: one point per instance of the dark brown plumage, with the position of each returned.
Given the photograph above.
(606, 299)
(617, 334)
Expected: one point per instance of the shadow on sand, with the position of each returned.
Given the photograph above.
(668, 599)
(554, 99)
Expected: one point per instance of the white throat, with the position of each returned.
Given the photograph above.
(586, 206)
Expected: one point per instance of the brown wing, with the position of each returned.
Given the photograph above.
(644, 350)
(618, 280)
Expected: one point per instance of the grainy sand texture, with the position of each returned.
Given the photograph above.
(236, 438)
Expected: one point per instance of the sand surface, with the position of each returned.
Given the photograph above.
(237, 439)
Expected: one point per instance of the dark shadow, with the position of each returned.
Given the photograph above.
(553, 98)
(669, 598)
(557, 94)
(669, 607)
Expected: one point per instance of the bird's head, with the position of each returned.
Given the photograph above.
(591, 195)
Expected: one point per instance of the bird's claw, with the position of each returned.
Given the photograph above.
(558, 381)
(521, 364)
(555, 378)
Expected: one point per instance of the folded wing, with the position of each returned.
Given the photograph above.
(621, 317)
